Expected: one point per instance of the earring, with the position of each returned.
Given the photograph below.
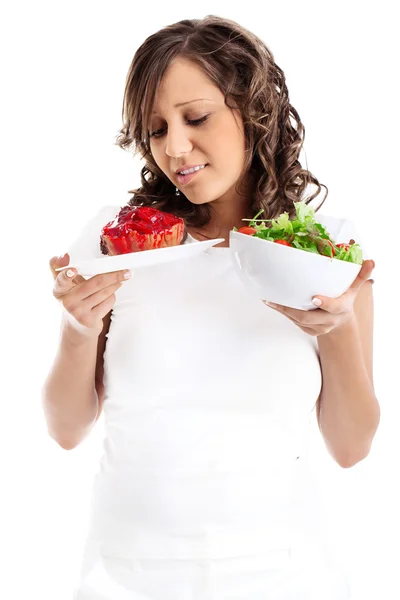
(177, 192)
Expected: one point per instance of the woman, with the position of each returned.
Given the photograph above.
(207, 393)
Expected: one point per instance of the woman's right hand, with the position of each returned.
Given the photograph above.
(85, 301)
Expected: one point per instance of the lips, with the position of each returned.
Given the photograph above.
(187, 167)
(184, 179)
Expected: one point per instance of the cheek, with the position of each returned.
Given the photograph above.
(160, 158)
(228, 148)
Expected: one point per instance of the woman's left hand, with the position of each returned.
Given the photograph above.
(332, 312)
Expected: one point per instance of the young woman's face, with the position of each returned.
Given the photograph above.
(184, 96)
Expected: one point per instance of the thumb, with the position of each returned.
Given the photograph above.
(57, 262)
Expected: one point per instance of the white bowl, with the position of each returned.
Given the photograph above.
(287, 275)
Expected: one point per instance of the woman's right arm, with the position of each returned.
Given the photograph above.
(73, 391)
(70, 399)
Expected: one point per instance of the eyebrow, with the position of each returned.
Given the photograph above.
(188, 102)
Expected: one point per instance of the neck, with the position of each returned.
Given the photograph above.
(226, 212)
(226, 215)
(217, 228)
(229, 210)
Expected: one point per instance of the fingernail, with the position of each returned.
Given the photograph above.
(127, 275)
(317, 302)
(70, 273)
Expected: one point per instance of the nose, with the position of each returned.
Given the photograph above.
(177, 141)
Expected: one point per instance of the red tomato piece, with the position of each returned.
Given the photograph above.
(332, 246)
(283, 242)
(342, 245)
(247, 230)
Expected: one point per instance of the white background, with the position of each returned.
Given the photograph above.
(63, 73)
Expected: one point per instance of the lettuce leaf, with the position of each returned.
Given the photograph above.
(304, 233)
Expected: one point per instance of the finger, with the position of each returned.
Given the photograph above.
(311, 328)
(285, 310)
(57, 262)
(66, 280)
(313, 319)
(365, 273)
(99, 282)
(91, 302)
(104, 307)
(345, 302)
(63, 261)
(300, 316)
(335, 306)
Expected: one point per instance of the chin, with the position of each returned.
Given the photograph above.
(199, 201)
(204, 197)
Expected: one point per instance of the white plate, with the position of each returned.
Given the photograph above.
(137, 260)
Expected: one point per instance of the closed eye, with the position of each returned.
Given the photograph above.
(194, 123)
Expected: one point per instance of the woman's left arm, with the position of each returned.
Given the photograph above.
(348, 411)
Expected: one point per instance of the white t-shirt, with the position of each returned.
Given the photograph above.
(208, 398)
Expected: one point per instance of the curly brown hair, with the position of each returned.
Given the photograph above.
(243, 68)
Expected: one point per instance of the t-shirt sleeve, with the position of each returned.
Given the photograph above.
(86, 243)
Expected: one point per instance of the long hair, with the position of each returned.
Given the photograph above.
(243, 68)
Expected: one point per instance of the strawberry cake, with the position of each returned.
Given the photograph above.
(137, 228)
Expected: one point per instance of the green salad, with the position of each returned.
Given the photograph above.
(302, 232)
